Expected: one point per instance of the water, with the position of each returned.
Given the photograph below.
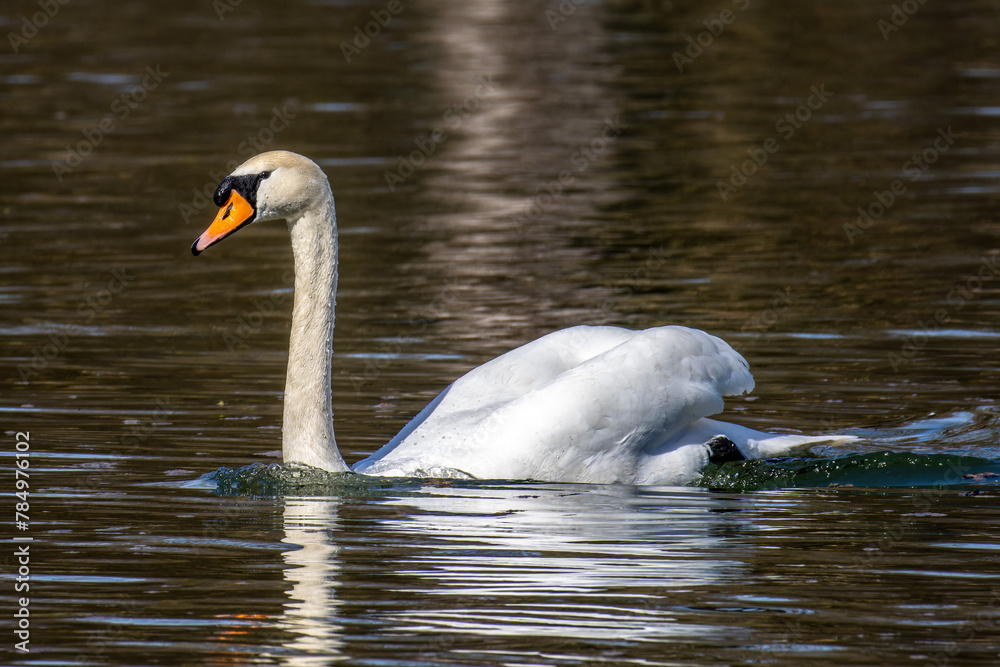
(140, 371)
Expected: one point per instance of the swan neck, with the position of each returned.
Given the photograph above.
(307, 425)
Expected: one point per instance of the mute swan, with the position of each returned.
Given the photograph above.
(585, 404)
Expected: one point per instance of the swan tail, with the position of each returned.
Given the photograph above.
(754, 444)
(783, 445)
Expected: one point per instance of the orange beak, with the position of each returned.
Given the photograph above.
(235, 213)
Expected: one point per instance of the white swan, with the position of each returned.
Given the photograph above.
(585, 404)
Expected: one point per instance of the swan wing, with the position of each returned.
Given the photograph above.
(474, 397)
(585, 404)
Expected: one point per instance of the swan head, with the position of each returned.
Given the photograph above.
(277, 185)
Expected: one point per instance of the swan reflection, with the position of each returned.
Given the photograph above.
(588, 562)
(313, 571)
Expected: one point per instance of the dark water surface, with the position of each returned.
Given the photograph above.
(501, 170)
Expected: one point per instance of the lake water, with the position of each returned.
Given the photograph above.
(816, 183)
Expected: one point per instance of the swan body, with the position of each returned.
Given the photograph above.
(585, 404)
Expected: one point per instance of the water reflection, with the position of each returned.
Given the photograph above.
(313, 571)
(509, 181)
(446, 567)
(598, 563)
